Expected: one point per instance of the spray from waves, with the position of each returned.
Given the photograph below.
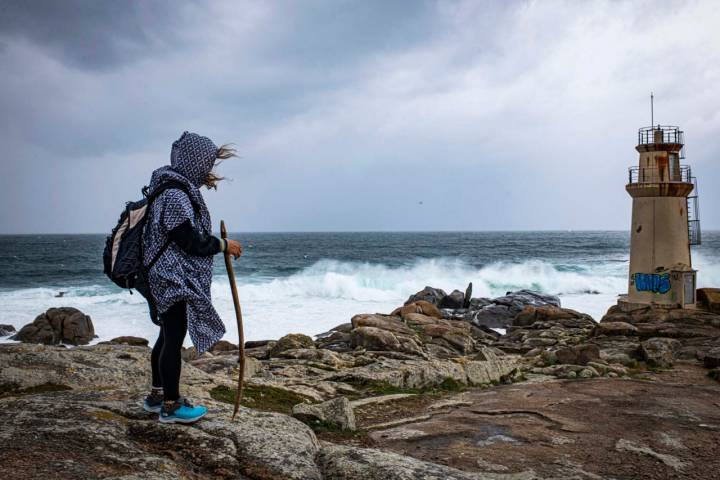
(708, 269)
(329, 292)
(331, 279)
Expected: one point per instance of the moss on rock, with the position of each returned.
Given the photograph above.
(260, 397)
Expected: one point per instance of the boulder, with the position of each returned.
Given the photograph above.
(659, 352)
(335, 341)
(58, 325)
(226, 364)
(291, 341)
(709, 298)
(502, 311)
(578, 355)
(383, 322)
(127, 340)
(518, 300)
(456, 337)
(454, 300)
(372, 338)
(188, 354)
(477, 303)
(468, 296)
(421, 306)
(335, 413)
(615, 329)
(428, 294)
(223, 346)
(97, 367)
(101, 434)
(6, 330)
(712, 358)
(494, 316)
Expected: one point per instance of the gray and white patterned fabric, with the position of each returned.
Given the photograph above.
(178, 276)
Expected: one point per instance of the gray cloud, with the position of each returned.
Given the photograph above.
(93, 35)
(512, 115)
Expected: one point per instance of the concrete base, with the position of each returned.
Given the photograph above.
(627, 306)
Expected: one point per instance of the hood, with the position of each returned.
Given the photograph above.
(193, 156)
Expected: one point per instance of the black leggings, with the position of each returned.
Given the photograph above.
(165, 359)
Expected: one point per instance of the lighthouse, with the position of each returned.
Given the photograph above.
(664, 223)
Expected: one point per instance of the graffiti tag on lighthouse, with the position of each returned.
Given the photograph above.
(652, 282)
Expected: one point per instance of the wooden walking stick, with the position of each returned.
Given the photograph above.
(238, 316)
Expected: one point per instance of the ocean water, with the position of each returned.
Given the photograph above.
(310, 282)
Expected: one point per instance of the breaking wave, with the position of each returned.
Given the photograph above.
(329, 292)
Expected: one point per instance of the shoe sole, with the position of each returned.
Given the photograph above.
(179, 420)
(152, 409)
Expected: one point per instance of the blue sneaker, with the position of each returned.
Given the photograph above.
(181, 411)
(153, 403)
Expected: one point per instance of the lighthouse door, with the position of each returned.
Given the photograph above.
(689, 288)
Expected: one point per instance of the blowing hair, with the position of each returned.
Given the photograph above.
(223, 153)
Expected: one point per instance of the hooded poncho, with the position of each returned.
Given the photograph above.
(178, 276)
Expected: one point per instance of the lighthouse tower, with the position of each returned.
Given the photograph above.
(664, 223)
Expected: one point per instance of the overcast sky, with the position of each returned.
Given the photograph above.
(387, 115)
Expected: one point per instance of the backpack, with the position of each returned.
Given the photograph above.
(123, 254)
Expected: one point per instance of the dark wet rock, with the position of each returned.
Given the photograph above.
(501, 312)
(291, 341)
(428, 294)
(494, 316)
(521, 298)
(468, 296)
(336, 341)
(6, 330)
(709, 298)
(478, 303)
(58, 325)
(711, 359)
(257, 343)
(335, 413)
(659, 352)
(456, 299)
(342, 328)
(128, 340)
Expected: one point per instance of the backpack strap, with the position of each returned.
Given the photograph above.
(167, 186)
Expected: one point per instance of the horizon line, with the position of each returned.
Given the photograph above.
(553, 230)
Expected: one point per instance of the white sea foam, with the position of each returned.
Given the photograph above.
(330, 292)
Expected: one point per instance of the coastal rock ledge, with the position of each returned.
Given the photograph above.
(425, 392)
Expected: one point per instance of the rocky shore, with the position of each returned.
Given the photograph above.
(428, 391)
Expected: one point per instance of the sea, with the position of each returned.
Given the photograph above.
(311, 282)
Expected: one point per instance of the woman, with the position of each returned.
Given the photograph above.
(177, 232)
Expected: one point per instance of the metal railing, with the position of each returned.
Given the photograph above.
(659, 175)
(693, 212)
(660, 134)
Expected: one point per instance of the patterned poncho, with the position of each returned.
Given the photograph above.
(178, 276)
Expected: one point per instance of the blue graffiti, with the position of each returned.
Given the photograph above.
(652, 282)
